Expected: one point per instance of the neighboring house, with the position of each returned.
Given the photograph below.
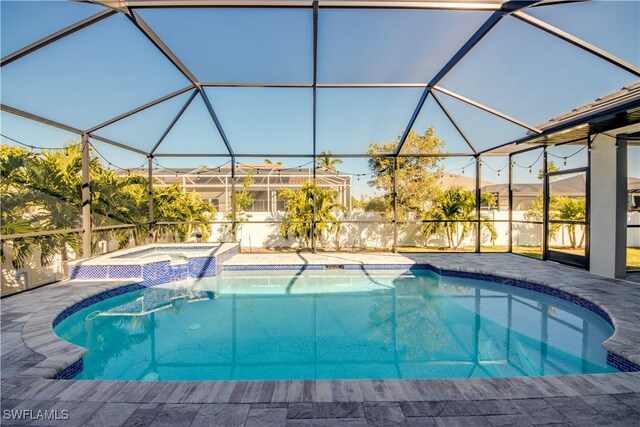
(215, 184)
(574, 186)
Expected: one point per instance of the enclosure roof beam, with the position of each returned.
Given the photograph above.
(487, 109)
(35, 118)
(454, 123)
(159, 43)
(56, 36)
(310, 156)
(581, 121)
(116, 144)
(457, 57)
(487, 5)
(139, 109)
(173, 122)
(137, 20)
(578, 42)
(70, 129)
(215, 119)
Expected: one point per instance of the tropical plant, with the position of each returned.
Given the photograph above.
(173, 204)
(457, 204)
(416, 177)
(551, 167)
(298, 220)
(561, 208)
(243, 201)
(43, 192)
(327, 162)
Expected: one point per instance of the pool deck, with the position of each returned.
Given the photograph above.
(31, 354)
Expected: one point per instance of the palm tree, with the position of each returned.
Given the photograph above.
(456, 204)
(327, 162)
(299, 212)
(42, 192)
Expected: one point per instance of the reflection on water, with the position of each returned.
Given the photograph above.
(335, 324)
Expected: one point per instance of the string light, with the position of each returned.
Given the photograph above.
(33, 147)
(110, 164)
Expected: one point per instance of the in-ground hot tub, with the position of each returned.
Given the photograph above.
(156, 263)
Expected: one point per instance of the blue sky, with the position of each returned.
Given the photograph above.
(110, 68)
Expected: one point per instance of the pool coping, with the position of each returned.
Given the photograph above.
(62, 359)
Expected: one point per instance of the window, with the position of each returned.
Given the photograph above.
(634, 202)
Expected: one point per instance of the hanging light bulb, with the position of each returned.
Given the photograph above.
(565, 161)
(529, 170)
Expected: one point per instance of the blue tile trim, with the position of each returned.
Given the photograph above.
(177, 248)
(97, 298)
(70, 371)
(621, 363)
(203, 267)
(88, 272)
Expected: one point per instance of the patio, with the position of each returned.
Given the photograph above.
(31, 352)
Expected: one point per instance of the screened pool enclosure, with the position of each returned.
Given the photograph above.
(321, 125)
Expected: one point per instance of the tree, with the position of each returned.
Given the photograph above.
(327, 162)
(457, 204)
(299, 212)
(561, 208)
(43, 192)
(375, 204)
(572, 209)
(417, 177)
(551, 167)
(243, 202)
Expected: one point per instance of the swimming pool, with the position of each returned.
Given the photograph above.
(335, 325)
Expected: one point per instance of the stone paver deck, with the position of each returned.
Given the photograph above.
(31, 354)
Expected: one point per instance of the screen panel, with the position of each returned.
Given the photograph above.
(265, 121)
(351, 121)
(531, 75)
(389, 46)
(25, 22)
(239, 44)
(90, 76)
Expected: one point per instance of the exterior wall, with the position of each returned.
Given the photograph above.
(377, 235)
(633, 234)
(608, 207)
(32, 275)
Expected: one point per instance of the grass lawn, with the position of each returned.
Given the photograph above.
(633, 258)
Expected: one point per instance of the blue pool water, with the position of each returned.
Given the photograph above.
(335, 325)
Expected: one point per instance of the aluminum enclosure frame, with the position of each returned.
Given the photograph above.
(499, 11)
